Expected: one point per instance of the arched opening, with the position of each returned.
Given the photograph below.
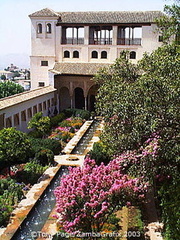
(23, 116)
(29, 113)
(16, 119)
(39, 28)
(48, 28)
(66, 54)
(79, 98)
(34, 109)
(44, 105)
(8, 122)
(40, 107)
(94, 54)
(132, 55)
(92, 97)
(75, 54)
(64, 98)
(103, 54)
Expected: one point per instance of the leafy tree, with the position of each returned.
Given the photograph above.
(14, 147)
(40, 124)
(134, 110)
(87, 197)
(169, 25)
(9, 88)
(3, 77)
(147, 107)
(51, 144)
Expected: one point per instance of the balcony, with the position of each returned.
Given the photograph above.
(100, 41)
(129, 41)
(74, 41)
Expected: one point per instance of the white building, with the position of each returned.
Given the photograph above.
(17, 110)
(68, 48)
(8, 75)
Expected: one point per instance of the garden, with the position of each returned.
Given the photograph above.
(25, 157)
(136, 160)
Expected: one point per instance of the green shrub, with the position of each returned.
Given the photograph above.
(44, 157)
(40, 123)
(72, 130)
(11, 192)
(32, 172)
(51, 144)
(84, 114)
(34, 134)
(170, 204)
(57, 119)
(5, 212)
(98, 153)
(69, 112)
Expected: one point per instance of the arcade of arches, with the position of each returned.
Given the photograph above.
(75, 91)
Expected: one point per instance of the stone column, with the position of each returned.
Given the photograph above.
(86, 35)
(85, 103)
(71, 101)
(115, 34)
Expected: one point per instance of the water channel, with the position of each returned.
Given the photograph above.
(39, 214)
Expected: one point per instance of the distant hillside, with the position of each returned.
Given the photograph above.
(19, 60)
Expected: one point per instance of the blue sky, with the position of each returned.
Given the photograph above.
(15, 23)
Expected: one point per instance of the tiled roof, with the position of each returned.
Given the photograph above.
(78, 68)
(25, 96)
(46, 12)
(101, 16)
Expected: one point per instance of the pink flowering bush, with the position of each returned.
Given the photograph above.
(88, 196)
(66, 129)
(142, 162)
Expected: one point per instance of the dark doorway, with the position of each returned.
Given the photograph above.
(79, 98)
(92, 97)
(64, 98)
(92, 103)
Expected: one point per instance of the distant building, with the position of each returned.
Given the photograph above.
(7, 74)
(68, 48)
(12, 68)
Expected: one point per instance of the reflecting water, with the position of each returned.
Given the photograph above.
(44, 206)
(83, 143)
(40, 212)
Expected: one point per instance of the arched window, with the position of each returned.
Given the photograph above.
(48, 28)
(103, 54)
(8, 122)
(23, 116)
(94, 54)
(66, 54)
(75, 54)
(16, 119)
(39, 28)
(132, 55)
(29, 112)
(34, 109)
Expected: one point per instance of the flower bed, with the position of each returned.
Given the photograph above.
(66, 129)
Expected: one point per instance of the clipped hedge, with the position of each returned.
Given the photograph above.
(44, 157)
(57, 119)
(98, 153)
(84, 114)
(31, 173)
(51, 144)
